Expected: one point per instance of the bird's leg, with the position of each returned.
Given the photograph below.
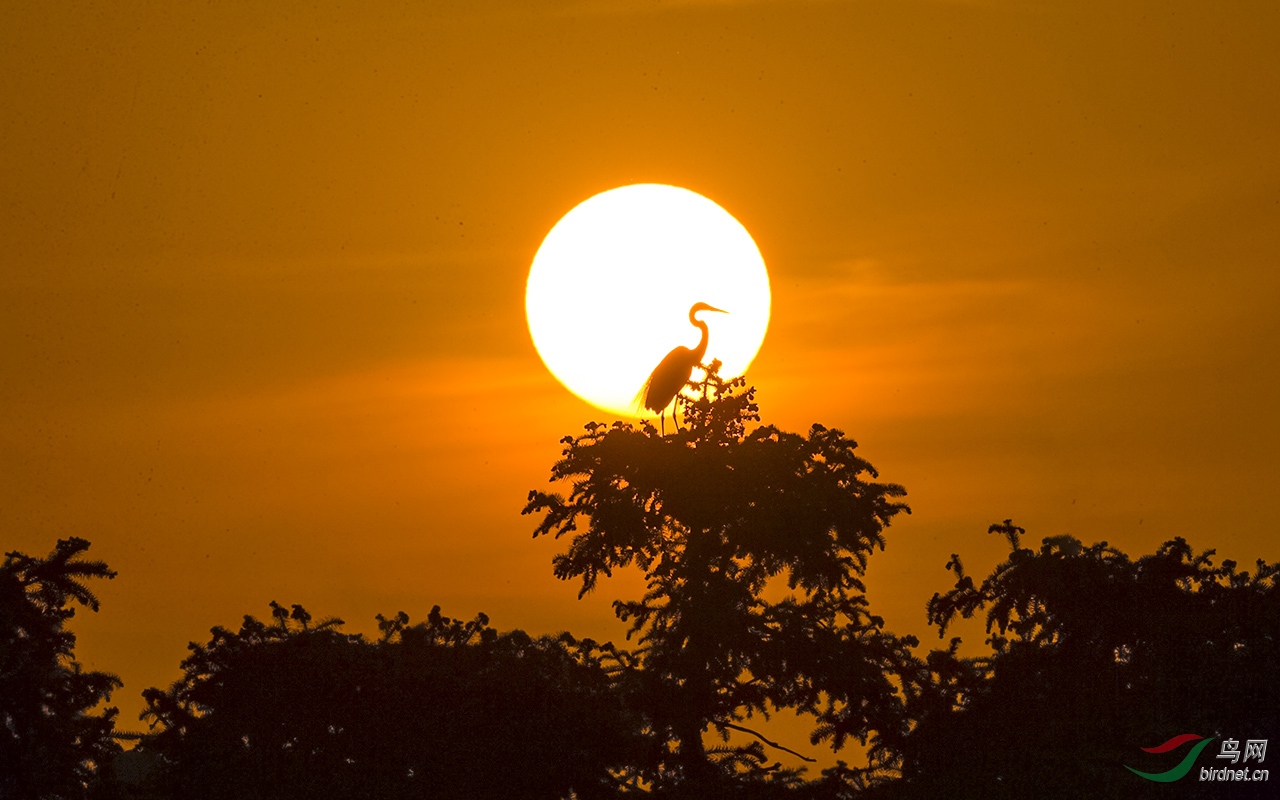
(662, 418)
(675, 409)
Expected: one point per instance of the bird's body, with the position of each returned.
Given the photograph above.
(673, 372)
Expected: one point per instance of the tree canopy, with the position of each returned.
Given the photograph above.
(1093, 656)
(442, 708)
(51, 744)
(753, 542)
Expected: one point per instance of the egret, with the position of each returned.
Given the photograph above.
(672, 373)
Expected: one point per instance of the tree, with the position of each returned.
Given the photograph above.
(444, 708)
(51, 746)
(1093, 656)
(721, 516)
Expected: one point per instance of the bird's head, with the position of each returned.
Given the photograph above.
(703, 307)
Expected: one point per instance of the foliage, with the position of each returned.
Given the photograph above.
(51, 746)
(1093, 656)
(753, 542)
(444, 708)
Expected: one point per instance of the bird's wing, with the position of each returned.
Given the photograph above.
(668, 378)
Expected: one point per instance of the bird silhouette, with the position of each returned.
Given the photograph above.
(672, 373)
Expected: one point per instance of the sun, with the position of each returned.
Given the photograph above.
(611, 286)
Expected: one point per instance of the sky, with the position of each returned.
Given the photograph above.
(262, 267)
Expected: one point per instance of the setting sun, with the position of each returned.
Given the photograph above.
(611, 286)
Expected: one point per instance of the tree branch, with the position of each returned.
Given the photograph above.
(766, 741)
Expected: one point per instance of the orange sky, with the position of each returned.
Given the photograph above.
(262, 272)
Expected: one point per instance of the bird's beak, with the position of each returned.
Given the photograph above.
(719, 310)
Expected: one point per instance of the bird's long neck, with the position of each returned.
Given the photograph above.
(701, 349)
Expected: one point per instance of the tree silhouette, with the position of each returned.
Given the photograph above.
(752, 542)
(50, 743)
(721, 517)
(1093, 656)
(442, 709)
